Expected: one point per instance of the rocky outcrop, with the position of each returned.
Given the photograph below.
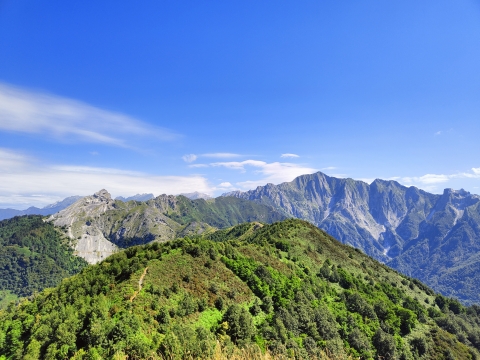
(80, 221)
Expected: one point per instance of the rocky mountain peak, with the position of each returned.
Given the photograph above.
(103, 195)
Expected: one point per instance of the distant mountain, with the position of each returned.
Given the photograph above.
(100, 225)
(435, 238)
(197, 195)
(47, 210)
(138, 197)
(254, 291)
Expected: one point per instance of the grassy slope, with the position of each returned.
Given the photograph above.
(288, 287)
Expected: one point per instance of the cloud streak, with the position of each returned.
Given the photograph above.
(192, 157)
(276, 172)
(289, 156)
(429, 182)
(70, 120)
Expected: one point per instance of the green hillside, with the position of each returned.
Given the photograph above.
(33, 256)
(287, 288)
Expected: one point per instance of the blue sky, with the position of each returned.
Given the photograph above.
(170, 97)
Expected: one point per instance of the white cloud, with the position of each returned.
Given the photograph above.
(192, 157)
(289, 156)
(239, 165)
(275, 172)
(23, 181)
(428, 179)
(70, 120)
(221, 155)
(328, 168)
(437, 133)
(189, 158)
(225, 185)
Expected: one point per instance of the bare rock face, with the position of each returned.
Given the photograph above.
(80, 222)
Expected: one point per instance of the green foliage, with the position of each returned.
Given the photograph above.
(283, 298)
(33, 256)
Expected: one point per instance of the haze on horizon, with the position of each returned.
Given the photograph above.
(180, 97)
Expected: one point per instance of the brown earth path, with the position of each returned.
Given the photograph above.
(140, 282)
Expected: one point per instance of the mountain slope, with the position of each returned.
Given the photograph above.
(448, 256)
(100, 225)
(33, 255)
(286, 287)
(435, 238)
(378, 218)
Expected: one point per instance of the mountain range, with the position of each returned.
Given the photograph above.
(60, 205)
(432, 237)
(435, 238)
(47, 210)
(99, 225)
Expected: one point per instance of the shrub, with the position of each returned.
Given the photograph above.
(385, 344)
(240, 323)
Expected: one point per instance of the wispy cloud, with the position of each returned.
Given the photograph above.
(220, 155)
(189, 158)
(24, 181)
(437, 133)
(276, 172)
(289, 156)
(430, 181)
(70, 120)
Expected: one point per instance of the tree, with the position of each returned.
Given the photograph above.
(240, 323)
(385, 344)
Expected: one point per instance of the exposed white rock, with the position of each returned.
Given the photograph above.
(90, 242)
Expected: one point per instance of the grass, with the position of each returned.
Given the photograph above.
(6, 297)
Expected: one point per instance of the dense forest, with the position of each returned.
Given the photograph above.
(33, 255)
(286, 288)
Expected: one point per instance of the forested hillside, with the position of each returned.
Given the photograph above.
(33, 255)
(287, 288)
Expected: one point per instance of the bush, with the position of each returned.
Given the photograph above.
(385, 344)
(219, 303)
(419, 346)
(359, 341)
(240, 323)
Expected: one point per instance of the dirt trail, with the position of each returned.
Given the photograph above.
(140, 282)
